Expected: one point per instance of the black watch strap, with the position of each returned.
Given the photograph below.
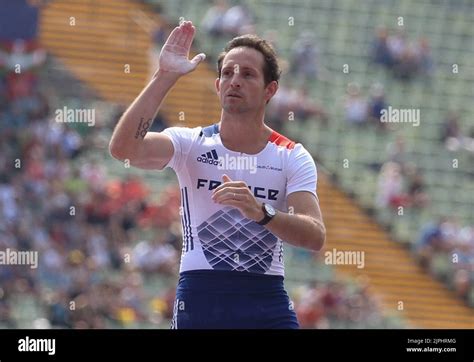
(266, 219)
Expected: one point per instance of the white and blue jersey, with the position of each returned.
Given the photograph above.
(231, 272)
(218, 237)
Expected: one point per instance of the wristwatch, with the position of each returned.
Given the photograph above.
(269, 212)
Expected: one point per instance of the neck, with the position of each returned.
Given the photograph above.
(243, 132)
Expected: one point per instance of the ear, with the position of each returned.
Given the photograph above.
(270, 90)
(217, 85)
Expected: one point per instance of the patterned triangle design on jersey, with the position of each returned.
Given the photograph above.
(226, 249)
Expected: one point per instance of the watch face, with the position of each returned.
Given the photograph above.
(270, 210)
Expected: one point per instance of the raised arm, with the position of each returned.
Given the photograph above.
(131, 139)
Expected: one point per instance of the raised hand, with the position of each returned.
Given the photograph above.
(175, 52)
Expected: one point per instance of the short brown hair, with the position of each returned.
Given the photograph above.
(271, 69)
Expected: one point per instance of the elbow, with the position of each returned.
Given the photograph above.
(117, 152)
(322, 239)
(114, 152)
(318, 238)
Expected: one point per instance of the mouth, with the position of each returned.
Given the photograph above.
(234, 95)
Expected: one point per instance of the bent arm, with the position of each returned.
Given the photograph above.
(131, 139)
(303, 225)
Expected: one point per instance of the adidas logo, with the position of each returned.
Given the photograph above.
(209, 157)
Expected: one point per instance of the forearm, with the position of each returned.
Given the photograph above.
(137, 119)
(302, 227)
(298, 230)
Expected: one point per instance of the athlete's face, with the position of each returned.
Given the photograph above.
(241, 87)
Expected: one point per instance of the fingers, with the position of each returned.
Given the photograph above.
(233, 203)
(230, 193)
(187, 34)
(172, 39)
(226, 182)
(224, 199)
(234, 184)
(190, 30)
(182, 35)
(226, 178)
(198, 59)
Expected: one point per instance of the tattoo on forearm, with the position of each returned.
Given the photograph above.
(142, 128)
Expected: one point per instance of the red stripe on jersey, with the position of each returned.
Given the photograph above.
(281, 140)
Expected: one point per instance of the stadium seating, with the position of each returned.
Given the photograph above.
(113, 59)
(344, 30)
(343, 33)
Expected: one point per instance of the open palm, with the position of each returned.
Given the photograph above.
(175, 52)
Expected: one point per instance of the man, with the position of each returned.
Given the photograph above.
(234, 218)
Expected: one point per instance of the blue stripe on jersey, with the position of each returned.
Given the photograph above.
(189, 219)
(184, 222)
(210, 130)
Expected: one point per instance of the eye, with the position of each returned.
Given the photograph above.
(226, 73)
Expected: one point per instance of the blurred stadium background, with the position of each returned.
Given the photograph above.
(109, 236)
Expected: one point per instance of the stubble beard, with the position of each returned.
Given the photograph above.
(234, 108)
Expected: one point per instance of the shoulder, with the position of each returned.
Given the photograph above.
(182, 130)
(294, 149)
(184, 133)
(280, 140)
(199, 131)
(209, 131)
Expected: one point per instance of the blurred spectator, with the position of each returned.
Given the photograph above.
(156, 257)
(397, 151)
(20, 62)
(407, 64)
(94, 174)
(355, 105)
(404, 59)
(425, 58)
(447, 250)
(304, 58)
(377, 103)
(381, 53)
(61, 204)
(338, 304)
(22, 54)
(416, 190)
(463, 251)
(390, 187)
(429, 241)
(452, 136)
(220, 20)
(159, 34)
(212, 22)
(293, 105)
(238, 20)
(397, 44)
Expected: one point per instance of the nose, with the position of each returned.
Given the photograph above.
(235, 81)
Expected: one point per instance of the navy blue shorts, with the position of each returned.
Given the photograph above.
(210, 299)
